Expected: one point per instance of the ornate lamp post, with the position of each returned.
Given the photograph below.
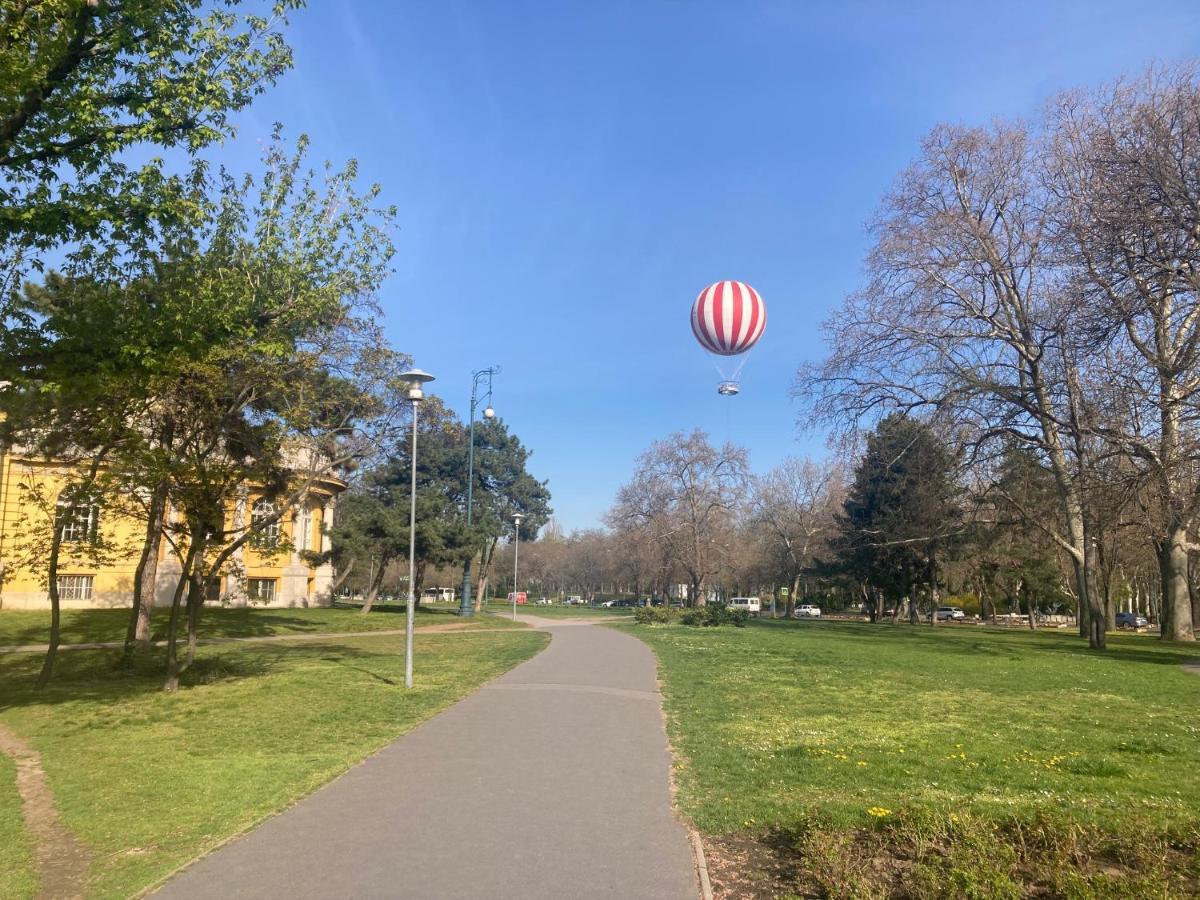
(416, 379)
(465, 608)
(517, 517)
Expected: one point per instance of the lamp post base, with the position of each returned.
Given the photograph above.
(465, 608)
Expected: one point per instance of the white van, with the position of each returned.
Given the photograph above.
(748, 604)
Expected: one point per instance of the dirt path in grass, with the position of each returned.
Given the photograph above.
(1193, 666)
(62, 860)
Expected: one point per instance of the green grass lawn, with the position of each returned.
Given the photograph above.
(81, 626)
(868, 734)
(149, 781)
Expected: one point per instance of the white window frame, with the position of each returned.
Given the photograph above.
(268, 537)
(254, 592)
(304, 526)
(79, 521)
(75, 587)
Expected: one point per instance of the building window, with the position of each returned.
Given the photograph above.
(79, 520)
(260, 590)
(74, 587)
(304, 538)
(266, 532)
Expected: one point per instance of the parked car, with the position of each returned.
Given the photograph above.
(950, 613)
(1131, 620)
(675, 604)
(749, 604)
(609, 604)
(574, 600)
(807, 611)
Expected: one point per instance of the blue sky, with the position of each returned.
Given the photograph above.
(569, 175)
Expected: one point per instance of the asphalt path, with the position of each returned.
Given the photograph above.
(550, 782)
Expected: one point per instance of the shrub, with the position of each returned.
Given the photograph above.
(713, 615)
(654, 615)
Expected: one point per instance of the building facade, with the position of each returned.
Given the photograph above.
(270, 570)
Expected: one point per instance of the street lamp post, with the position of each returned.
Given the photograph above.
(465, 608)
(517, 517)
(416, 379)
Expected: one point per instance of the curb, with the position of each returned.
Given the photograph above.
(701, 865)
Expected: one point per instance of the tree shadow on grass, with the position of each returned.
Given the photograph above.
(398, 608)
(85, 626)
(98, 676)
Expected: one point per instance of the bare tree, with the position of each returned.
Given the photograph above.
(684, 493)
(1125, 164)
(792, 511)
(964, 314)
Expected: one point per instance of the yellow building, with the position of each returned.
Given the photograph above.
(269, 571)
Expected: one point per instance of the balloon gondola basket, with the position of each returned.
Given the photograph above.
(728, 388)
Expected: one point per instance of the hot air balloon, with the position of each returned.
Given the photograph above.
(728, 318)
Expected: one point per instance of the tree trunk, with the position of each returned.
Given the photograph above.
(1194, 596)
(55, 614)
(373, 587)
(789, 609)
(145, 576)
(185, 576)
(1089, 597)
(419, 587)
(1176, 624)
(1024, 590)
(339, 578)
(486, 554)
(935, 597)
(197, 589)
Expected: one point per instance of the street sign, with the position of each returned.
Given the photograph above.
(783, 592)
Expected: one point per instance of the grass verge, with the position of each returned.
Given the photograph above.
(827, 759)
(149, 781)
(18, 877)
(82, 626)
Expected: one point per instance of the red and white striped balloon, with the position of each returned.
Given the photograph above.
(728, 317)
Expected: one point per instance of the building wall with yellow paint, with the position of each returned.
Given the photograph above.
(256, 575)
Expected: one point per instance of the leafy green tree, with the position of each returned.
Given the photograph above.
(901, 517)
(374, 521)
(85, 80)
(503, 486)
(377, 520)
(250, 348)
(1014, 558)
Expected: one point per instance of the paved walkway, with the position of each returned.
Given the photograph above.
(549, 783)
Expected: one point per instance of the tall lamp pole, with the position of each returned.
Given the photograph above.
(465, 608)
(517, 517)
(416, 379)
